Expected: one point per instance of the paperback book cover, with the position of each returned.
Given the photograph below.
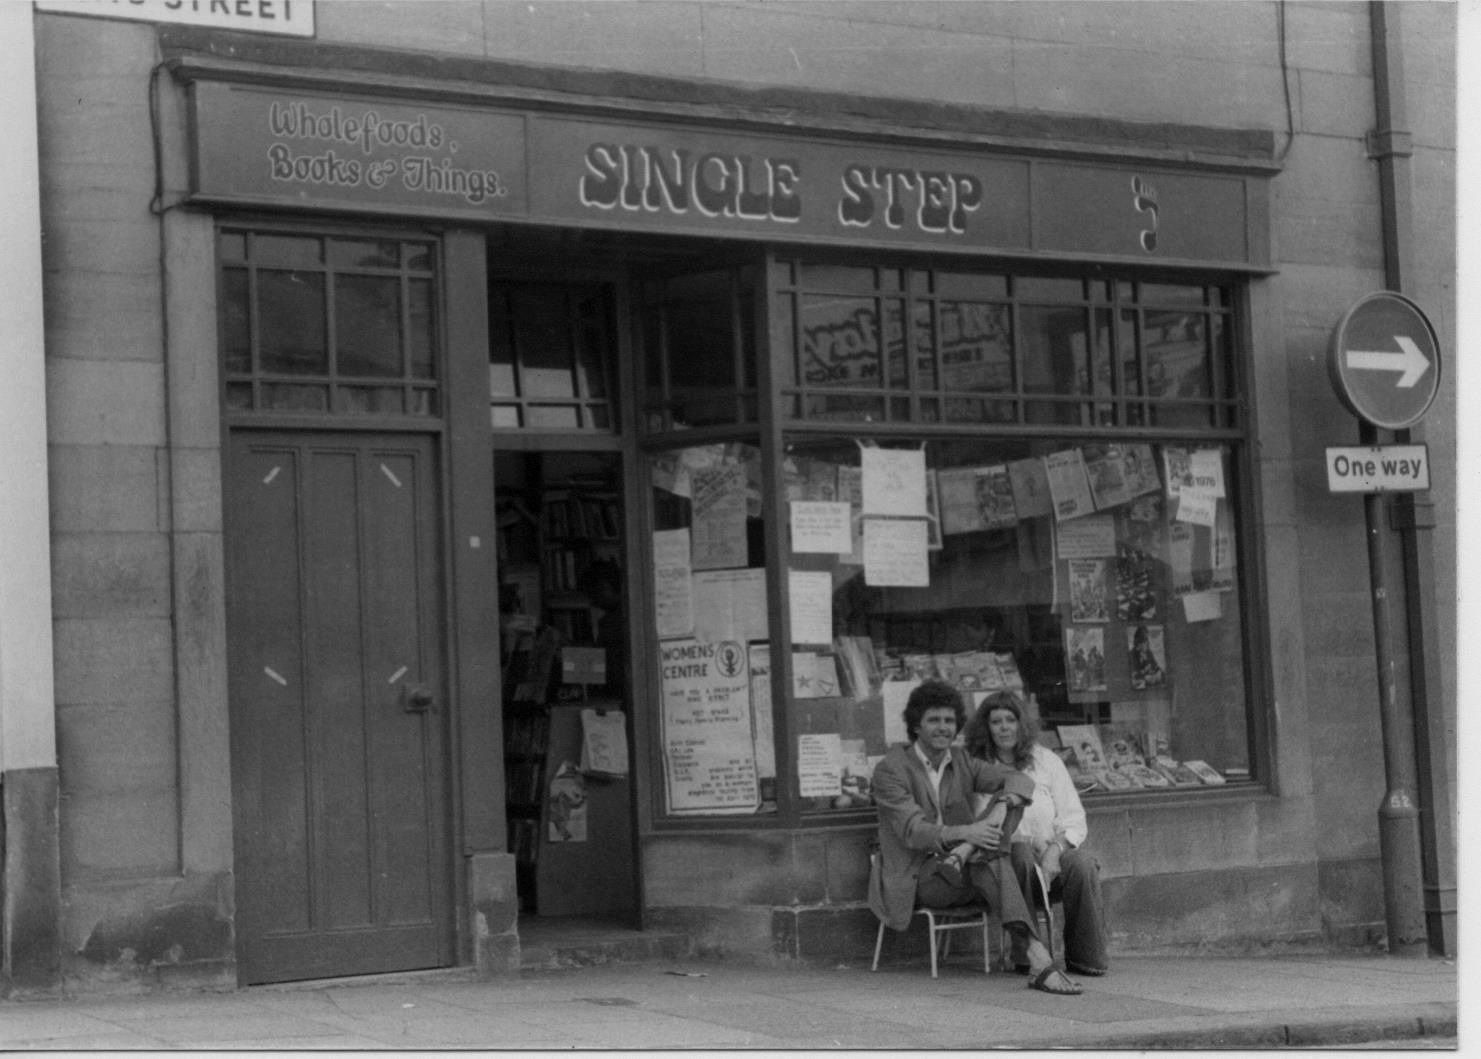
(1083, 740)
(1204, 771)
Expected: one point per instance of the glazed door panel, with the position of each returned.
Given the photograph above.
(338, 718)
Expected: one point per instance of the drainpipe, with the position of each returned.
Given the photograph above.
(1412, 517)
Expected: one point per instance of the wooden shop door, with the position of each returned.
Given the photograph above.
(338, 705)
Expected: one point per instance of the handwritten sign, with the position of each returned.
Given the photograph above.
(810, 604)
(719, 521)
(895, 552)
(894, 481)
(821, 526)
(730, 605)
(673, 590)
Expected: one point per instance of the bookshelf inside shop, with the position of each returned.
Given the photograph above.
(567, 796)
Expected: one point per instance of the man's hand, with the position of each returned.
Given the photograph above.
(986, 833)
(1049, 862)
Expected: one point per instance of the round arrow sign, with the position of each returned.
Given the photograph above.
(1384, 360)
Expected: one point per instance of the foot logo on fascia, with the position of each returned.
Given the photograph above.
(1144, 198)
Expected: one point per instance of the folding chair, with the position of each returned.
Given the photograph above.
(941, 921)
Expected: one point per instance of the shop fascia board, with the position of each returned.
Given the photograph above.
(194, 54)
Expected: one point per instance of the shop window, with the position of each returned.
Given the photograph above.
(1090, 577)
(548, 363)
(699, 349)
(715, 727)
(1060, 516)
(326, 324)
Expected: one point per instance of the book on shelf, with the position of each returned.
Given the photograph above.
(1144, 776)
(1122, 744)
(1204, 771)
(1178, 774)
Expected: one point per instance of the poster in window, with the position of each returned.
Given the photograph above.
(1136, 590)
(1180, 557)
(1068, 484)
(1139, 526)
(894, 481)
(1178, 470)
(1139, 467)
(820, 765)
(759, 655)
(1086, 538)
(1106, 469)
(673, 589)
(851, 490)
(933, 514)
(1030, 481)
(730, 604)
(820, 526)
(896, 553)
(1206, 466)
(960, 512)
(719, 521)
(1085, 657)
(1088, 590)
(1147, 656)
(709, 751)
(995, 497)
(566, 801)
(1221, 577)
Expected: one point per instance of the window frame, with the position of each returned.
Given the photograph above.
(251, 225)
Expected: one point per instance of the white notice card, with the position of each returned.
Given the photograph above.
(820, 765)
(895, 552)
(672, 589)
(810, 602)
(894, 694)
(730, 605)
(821, 526)
(894, 481)
(1085, 538)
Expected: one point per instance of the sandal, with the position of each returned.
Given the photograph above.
(1044, 982)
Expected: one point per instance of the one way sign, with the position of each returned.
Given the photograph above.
(1384, 360)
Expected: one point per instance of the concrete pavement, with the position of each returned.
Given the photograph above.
(1146, 1002)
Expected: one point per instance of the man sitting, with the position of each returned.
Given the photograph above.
(924, 794)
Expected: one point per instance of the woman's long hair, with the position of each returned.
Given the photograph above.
(978, 734)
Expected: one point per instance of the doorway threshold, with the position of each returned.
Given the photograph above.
(555, 942)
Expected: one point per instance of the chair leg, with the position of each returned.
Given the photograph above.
(878, 944)
(987, 923)
(931, 927)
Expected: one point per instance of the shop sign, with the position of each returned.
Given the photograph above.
(287, 18)
(336, 151)
(255, 144)
(1378, 469)
(1384, 360)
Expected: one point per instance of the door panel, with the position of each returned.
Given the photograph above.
(339, 771)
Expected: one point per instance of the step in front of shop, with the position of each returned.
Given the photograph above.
(546, 948)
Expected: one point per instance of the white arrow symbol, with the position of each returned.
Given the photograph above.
(1411, 361)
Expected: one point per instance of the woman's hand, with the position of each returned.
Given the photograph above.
(1049, 861)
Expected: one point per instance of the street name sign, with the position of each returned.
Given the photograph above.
(1384, 360)
(1378, 468)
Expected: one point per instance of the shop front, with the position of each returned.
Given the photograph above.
(598, 477)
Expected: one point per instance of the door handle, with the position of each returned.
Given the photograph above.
(416, 698)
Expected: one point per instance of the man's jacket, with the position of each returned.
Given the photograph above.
(908, 831)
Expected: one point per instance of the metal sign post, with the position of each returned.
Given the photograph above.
(1384, 362)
